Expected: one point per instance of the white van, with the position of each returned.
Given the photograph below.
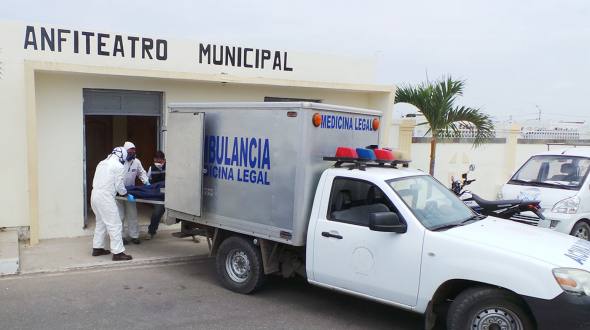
(559, 179)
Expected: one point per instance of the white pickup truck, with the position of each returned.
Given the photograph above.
(270, 203)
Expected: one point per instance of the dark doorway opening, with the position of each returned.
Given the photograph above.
(103, 133)
(112, 117)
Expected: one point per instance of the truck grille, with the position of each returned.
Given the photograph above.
(526, 219)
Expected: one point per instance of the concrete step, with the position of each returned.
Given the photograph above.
(9, 254)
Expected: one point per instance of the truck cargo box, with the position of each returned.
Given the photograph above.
(253, 167)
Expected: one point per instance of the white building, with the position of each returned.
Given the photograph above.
(70, 94)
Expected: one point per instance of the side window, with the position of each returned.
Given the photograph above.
(352, 200)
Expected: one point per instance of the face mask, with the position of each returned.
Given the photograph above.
(130, 157)
(158, 165)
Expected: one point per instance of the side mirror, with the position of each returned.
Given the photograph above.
(386, 222)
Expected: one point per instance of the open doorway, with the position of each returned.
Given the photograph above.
(112, 117)
(103, 133)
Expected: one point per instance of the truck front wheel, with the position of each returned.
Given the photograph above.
(239, 265)
(488, 308)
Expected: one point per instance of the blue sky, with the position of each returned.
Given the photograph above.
(517, 56)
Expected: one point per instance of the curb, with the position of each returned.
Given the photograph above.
(114, 265)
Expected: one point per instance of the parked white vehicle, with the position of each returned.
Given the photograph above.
(559, 179)
(270, 203)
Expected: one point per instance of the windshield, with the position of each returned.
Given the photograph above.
(433, 205)
(557, 171)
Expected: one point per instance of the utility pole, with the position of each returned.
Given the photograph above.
(539, 113)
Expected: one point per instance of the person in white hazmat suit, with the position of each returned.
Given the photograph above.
(128, 209)
(107, 182)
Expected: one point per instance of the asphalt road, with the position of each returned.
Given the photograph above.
(184, 296)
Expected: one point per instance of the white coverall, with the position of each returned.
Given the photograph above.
(128, 210)
(107, 182)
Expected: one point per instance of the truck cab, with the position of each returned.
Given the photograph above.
(400, 237)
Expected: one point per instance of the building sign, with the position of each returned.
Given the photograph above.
(243, 57)
(116, 45)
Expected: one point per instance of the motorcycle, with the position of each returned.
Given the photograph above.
(506, 209)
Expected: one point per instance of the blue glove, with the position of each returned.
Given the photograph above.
(148, 184)
(130, 198)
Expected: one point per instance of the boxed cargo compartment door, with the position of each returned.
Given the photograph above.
(184, 164)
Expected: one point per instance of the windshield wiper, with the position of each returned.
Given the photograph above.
(446, 226)
(520, 181)
(554, 184)
(475, 217)
(539, 183)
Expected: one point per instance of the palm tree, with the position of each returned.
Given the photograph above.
(436, 101)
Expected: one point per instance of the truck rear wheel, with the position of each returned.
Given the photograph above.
(488, 308)
(239, 265)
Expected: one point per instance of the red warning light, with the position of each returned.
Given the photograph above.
(382, 154)
(345, 152)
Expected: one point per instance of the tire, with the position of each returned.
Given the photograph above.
(581, 230)
(478, 308)
(239, 265)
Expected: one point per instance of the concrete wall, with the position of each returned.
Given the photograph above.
(495, 162)
(60, 130)
(489, 159)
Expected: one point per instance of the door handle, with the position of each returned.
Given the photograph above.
(327, 234)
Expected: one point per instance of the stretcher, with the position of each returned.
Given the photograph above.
(141, 200)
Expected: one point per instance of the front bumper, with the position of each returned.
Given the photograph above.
(566, 311)
(559, 222)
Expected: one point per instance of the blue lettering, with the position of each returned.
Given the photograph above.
(206, 150)
(259, 150)
(211, 149)
(266, 154)
(252, 160)
(225, 149)
(219, 150)
(244, 151)
(234, 154)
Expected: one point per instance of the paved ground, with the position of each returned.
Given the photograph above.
(74, 253)
(181, 296)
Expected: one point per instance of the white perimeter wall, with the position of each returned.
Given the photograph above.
(489, 159)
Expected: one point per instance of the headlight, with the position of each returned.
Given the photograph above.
(573, 280)
(499, 195)
(568, 205)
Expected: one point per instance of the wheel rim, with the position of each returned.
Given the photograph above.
(237, 266)
(496, 319)
(583, 232)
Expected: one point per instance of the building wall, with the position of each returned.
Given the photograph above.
(60, 130)
(41, 104)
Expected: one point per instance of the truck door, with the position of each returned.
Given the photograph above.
(184, 164)
(348, 255)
